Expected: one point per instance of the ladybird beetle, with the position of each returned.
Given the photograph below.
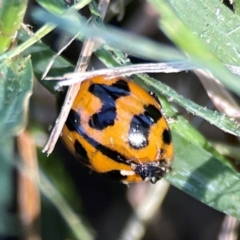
(116, 128)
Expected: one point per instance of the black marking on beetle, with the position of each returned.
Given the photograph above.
(74, 123)
(152, 113)
(123, 85)
(166, 136)
(150, 171)
(104, 118)
(81, 153)
(140, 125)
(138, 132)
(115, 175)
(108, 96)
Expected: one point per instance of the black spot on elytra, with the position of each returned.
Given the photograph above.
(166, 136)
(123, 85)
(108, 95)
(152, 113)
(73, 123)
(140, 125)
(104, 118)
(81, 153)
(115, 175)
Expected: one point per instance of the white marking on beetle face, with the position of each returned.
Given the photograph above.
(163, 168)
(127, 173)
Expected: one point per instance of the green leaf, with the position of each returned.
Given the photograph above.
(145, 48)
(200, 174)
(215, 26)
(16, 87)
(132, 43)
(236, 6)
(40, 57)
(213, 23)
(53, 6)
(58, 6)
(11, 16)
(43, 31)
